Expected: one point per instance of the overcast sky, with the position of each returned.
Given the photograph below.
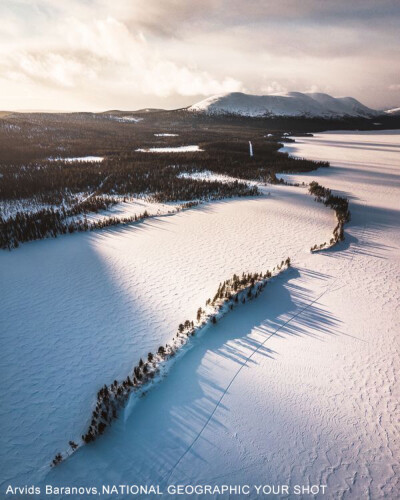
(131, 54)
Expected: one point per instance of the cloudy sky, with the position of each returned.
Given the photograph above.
(130, 54)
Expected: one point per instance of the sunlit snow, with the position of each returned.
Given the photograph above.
(94, 159)
(178, 149)
(300, 383)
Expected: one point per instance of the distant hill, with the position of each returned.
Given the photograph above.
(295, 104)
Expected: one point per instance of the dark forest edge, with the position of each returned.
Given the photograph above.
(111, 399)
(339, 205)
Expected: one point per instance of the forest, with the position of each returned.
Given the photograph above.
(49, 190)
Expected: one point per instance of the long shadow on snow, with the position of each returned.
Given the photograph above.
(175, 410)
(362, 232)
(70, 324)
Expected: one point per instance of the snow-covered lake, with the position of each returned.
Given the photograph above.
(95, 159)
(307, 373)
(166, 135)
(177, 149)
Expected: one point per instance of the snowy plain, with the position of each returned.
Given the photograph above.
(167, 149)
(125, 119)
(165, 134)
(297, 387)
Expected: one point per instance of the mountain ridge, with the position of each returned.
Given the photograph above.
(295, 104)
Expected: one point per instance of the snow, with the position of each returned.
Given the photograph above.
(166, 135)
(296, 387)
(177, 149)
(125, 119)
(394, 111)
(95, 159)
(105, 299)
(9, 126)
(132, 206)
(129, 208)
(9, 208)
(289, 104)
(207, 175)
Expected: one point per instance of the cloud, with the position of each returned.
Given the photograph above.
(273, 88)
(125, 53)
(104, 50)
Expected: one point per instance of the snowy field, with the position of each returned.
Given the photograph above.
(125, 119)
(128, 207)
(177, 149)
(165, 135)
(297, 387)
(94, 159)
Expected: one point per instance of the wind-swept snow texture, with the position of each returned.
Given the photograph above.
(290, 104)
(79, 311)
(297, 387)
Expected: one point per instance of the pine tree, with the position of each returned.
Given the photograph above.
(73, 445)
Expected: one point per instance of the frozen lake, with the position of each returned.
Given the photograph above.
(298, 387)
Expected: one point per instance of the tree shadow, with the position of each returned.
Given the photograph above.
(150, 436)
(362, 233)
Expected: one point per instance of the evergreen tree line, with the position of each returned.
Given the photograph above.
(49, 222)
(144, 173)
(26, 137)
(110, 399)
(339, 204)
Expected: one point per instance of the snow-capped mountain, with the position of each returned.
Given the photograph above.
(290, 104)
